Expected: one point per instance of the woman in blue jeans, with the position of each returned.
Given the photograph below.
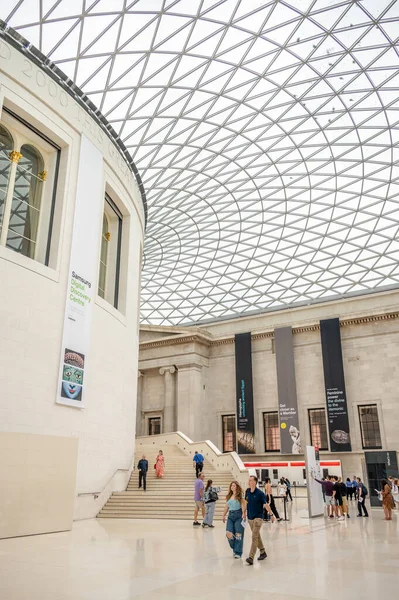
(235, 507)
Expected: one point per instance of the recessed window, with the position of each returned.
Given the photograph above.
(229, 433)
(271, 431)
(28, 167)
(370, 427)
(110, 254)
(318, 428)
(154, 425)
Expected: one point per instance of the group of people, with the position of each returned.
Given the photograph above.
(336, 494)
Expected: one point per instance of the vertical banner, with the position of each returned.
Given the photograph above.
(334, 380)
(290, 437)
(244, 394)
(315, 493)
(82, 275)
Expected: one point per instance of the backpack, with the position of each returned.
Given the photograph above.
(212, 496)
(364, 490)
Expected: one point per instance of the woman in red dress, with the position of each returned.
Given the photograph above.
(160, 465)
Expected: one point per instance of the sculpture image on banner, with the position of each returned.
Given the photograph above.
(290, 437)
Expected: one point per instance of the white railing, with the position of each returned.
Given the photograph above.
(229, 461)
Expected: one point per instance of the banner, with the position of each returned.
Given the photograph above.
(315, 492)
(290, 438)
(244, 394)
(83, 271)
(337, 409)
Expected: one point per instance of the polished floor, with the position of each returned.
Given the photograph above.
(169, 560)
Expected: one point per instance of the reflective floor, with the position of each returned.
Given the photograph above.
(165, 560)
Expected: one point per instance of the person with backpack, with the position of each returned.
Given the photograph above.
(210, 499)
(362, 493)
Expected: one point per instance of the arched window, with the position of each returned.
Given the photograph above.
(26, 202)
(102, 279)
(6, 146)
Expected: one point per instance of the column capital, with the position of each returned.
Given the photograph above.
(171, 369)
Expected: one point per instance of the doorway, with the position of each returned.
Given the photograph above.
(379, 466)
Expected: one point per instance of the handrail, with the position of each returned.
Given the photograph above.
(231, 460)
(106, 485)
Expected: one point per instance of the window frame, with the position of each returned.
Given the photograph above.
(234, 435)
(359, 407)
(311, 410)
(271, 412)
(109, 205)
(57, 148)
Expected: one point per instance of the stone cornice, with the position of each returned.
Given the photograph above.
(183, 339)
(345, 322)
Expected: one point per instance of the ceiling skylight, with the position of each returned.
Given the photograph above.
(266, 135)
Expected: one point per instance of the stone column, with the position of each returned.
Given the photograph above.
(169, 421)
(139, 404)
(189, 401)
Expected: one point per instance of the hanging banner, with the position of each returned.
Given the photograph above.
(337, 409)
(244, 394)
(290, 438)
(313, 472)
(82, 275)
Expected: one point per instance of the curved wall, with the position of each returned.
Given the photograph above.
(33, 295)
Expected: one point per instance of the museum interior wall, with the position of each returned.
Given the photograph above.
(187, 380)
(66, 194)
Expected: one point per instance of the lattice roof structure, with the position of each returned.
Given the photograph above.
(266, 135)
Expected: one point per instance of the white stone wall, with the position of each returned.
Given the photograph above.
(370, 355)
(32, 300)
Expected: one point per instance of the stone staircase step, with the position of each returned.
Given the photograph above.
(168, 498)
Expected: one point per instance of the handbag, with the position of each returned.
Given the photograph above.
(155, 466)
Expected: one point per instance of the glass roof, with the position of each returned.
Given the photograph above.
(266, 135)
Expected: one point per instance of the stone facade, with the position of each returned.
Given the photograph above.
(201, 382)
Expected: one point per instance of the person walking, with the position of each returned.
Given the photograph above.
(198, 462)
(234, 510)
(288, 484)
(387, 499)
(327, 486)
(143, 470)
(199, 498)
(361, 492)
(210, 499)
(256, 502)
(270, 499)
(349, 489)
(159, 465)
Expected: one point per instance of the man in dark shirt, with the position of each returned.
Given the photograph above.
(256, 501)
(327, 486)
(143, 468)
(337, 495)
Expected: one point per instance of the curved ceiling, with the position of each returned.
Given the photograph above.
(266, 134)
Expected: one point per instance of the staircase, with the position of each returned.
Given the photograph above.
(167, 498)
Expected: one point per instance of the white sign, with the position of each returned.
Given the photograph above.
(83, 270)
(315, 494)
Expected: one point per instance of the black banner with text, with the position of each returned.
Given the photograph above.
(337, 408)
(290, 437)
(244, 394)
